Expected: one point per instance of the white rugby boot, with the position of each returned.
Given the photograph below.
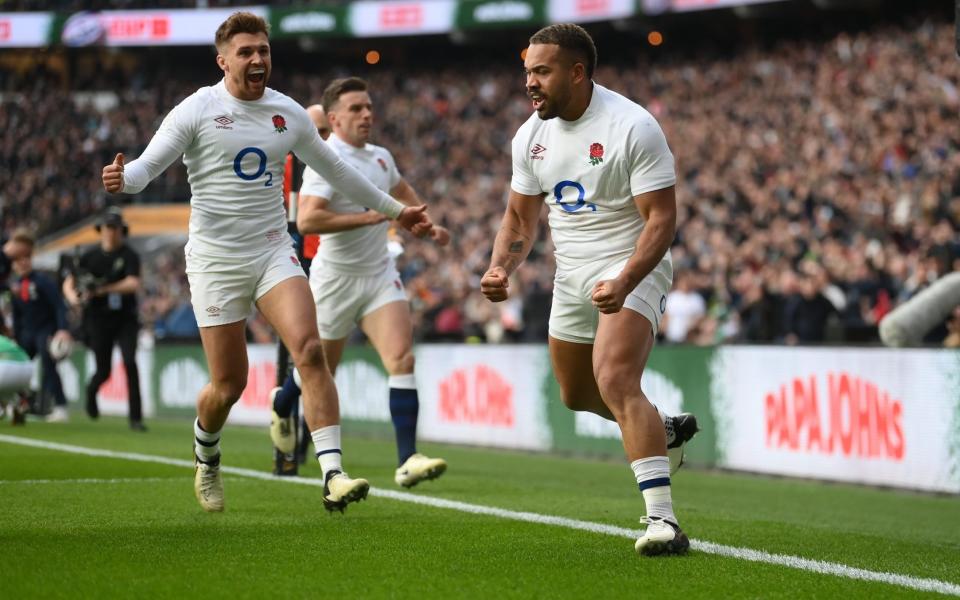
(208, 484)
(419, 468)
(661, 537)
(282, 430)
(340, 490)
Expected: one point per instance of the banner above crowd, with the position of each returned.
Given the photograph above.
(362, 19)
(25, 30)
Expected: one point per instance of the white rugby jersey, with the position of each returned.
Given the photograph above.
(360, 251)
(590, 170)
(234, 151)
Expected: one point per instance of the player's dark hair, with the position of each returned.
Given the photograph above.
(240, 22)
(573, 39)
(339, 87)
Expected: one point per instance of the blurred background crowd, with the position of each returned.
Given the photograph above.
(818, 188)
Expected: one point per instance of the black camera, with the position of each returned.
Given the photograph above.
(85, 282)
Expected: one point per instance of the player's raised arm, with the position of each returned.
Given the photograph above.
(514, 241)
(349, 182)
(171, 140)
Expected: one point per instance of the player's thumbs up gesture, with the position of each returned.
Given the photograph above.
(113, 175)
(494, 284)
(415, 220)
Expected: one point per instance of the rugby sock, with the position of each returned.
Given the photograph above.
(206, 445)
(326, 440)
(404, 406)
(653, 477)
(286, 398)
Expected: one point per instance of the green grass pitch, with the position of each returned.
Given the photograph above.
(68, 532)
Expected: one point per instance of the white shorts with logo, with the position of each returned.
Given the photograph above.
(343, 300)
(224, 291)
(574, 318)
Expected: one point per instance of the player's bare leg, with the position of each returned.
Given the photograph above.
(390, 329)
(225, 347)
(579, 391)
(289, 308)
(578, 388)
(623, 344)
(333, 352)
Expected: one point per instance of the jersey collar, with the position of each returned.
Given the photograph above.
(592, 109)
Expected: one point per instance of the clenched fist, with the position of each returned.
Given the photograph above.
(494, 284)
(608, 295)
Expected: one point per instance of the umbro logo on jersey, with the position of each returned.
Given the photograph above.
(213, 311)
(223, 122)
(537, 151)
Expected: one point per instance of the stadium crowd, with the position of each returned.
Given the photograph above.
(819, 179)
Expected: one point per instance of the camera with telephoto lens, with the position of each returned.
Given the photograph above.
(84, 282)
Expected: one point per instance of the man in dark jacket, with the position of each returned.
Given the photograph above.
(39, 318)
(106, 283)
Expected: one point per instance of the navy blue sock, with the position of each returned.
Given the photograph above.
(286, 398)
(404, 406)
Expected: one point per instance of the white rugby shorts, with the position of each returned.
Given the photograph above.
(223, 291)
(574, 318)
(343, 300)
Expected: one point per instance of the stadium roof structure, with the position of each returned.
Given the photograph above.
(146, 222)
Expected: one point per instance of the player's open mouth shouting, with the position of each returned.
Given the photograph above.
(257, 76)
(538, 99)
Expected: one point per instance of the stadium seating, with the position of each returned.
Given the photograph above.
(812, 201)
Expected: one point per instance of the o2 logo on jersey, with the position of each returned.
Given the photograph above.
(572, 207)
(261, 165)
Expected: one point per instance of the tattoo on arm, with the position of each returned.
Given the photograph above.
(516, 247)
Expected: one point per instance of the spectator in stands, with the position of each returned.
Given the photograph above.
(39, 318)
(684, 309)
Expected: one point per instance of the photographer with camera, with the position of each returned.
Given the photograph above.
(105, 282)
(39, 321)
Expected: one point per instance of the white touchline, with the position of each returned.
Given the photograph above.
(90, 480)
(786, 560)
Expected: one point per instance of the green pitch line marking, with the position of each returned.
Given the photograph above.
(785, 560)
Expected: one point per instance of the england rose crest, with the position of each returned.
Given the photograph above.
(596, 154)
(279, 123)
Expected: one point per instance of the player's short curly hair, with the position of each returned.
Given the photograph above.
(571, 38)
(339, 87)
(240, 22)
